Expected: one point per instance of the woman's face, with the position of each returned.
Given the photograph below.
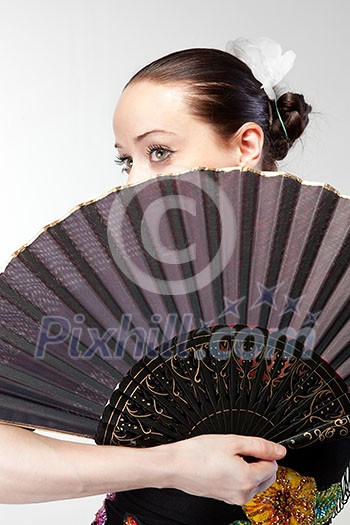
(155, 133)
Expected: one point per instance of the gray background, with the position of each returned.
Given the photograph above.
(63, 64)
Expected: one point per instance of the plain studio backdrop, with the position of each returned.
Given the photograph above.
(63, 65)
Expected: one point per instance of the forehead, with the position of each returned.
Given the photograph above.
(152, 105)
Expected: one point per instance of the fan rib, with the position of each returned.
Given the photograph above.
(250, 187)
(338, 322)
(321, 219)
(289, 192)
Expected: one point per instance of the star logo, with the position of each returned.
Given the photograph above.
(232, 307)
(312, 317)
(266, 295)
(292, 305)
(205, 324)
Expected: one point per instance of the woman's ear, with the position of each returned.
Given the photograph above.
(249, 141)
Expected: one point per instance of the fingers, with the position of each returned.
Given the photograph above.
(266, 484)
(217, 457)
(259, 448)
(258, 478)
(262, 471)
(261, 475)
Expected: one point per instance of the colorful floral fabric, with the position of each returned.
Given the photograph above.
(290, 500)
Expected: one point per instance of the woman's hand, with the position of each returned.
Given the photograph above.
(213, 466)
(36, 468)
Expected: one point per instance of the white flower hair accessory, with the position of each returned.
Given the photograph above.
(265, 59)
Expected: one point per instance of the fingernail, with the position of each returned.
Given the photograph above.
(280, 450)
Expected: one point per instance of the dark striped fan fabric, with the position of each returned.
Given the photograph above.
(121, 275)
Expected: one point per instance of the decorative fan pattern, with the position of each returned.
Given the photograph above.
(221, 381)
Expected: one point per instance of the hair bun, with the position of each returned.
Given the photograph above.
(294, 112)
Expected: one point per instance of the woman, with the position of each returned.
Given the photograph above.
(196, 107)
(204, 107)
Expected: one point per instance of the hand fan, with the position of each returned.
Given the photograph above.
(212, 301)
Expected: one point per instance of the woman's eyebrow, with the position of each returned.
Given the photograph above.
(143, 135)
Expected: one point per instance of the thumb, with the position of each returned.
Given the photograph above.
(260, 448)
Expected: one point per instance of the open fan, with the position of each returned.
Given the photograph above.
(212, 301)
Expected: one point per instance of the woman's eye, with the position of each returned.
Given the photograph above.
(158, 153)
(124, 162)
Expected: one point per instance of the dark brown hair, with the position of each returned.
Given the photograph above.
(223, 92)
